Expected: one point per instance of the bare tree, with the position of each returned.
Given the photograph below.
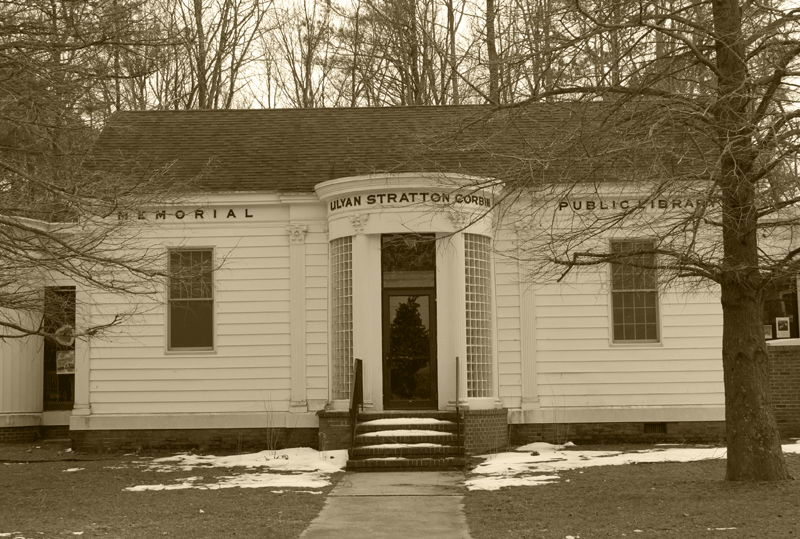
(300, 55)
(59, 216)
(213, 53)
(683, 101)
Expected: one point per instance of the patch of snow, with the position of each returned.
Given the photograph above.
(295, 459)
(719, 529)
(408, 421)
(246, 480)
(73, 469)
(532, 460)
(293, 468)
(495, 483)
(398, 446)
(792, 448)
(402, 432)
(526, 464)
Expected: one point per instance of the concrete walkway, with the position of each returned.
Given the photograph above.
(389, 505)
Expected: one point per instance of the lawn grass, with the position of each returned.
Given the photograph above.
(666, 500)
(38, 499)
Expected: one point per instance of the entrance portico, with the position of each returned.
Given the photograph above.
(411, 290)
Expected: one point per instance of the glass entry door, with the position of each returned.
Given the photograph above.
(408, 263)
(409, 370)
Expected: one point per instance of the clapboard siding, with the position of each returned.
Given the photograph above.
(626, 379)
(510, 367)
(199, 363)
(594, 364)
(276, 401)
(573, 312)
(220, 372)
(149, 356)
(563, 402)
(577, 364)
(122, 391)
(21, 375)
(132, 373)
(507, 323)
(251, 326)
(317, 321)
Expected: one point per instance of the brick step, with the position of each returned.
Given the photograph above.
(447, 426)
(402, 464)
(388, 438)
(389, 414)
(410, 451)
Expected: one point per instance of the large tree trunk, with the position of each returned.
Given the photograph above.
(754, 450)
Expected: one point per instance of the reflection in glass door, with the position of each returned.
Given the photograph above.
(409, 321)
(409, 370)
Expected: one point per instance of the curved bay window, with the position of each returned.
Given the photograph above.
(341, 258)
(477, 265)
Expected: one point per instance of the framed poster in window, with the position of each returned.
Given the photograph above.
(65, 361)
(782, 330)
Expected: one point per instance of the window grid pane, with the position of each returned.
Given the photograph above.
(477, 263)
(634, 294)
(342, 316)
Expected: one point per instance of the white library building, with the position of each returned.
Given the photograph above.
(332, 238)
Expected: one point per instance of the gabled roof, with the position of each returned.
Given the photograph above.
(291, 150)
(279, 150)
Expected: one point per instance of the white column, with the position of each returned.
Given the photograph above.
(297, 305)
(83, 320)
(365, 299)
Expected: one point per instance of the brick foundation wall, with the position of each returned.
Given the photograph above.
(334, 430)
(201, 440)
(18, 435)
(604, 433)
(51, 432)
(785, 385)
(485, 430)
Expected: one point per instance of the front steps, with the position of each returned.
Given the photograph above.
(406, 440)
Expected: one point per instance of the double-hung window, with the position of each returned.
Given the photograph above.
(191, 300)
(634, 291)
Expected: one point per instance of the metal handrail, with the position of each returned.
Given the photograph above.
(356, 397)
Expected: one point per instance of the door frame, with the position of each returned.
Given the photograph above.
(388, 403)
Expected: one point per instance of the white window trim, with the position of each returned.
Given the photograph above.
(167, 329)
(659, 342)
